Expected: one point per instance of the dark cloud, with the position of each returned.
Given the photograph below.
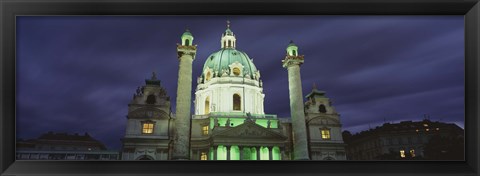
(77, 74)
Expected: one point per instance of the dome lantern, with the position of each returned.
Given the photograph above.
(228, 38)
(292, 49)
(187, 38)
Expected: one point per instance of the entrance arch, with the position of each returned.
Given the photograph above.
(144, 157)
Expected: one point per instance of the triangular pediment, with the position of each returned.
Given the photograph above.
(249, 130)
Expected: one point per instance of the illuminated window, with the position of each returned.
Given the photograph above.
(207, 105)
(236, 71)
(427, 129)
(412, 153)
(205, 130)
(438, 129)
(425, 125)
(402, 153)
(147, 128)
(203, 156)
(236, 102)
(326, 134)
(151, 99)
(416, 130)
(209, 75)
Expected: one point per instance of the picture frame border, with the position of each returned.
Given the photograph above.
(10, 9)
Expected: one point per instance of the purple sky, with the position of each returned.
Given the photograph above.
(77, 74)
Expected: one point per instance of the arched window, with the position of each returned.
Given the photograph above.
(207, 105)
(187, 42)
(229, 43)
(151, 99)
(209, 75)
(224, 44)
(322, 108)
(144, 157)
(236, 102)
(328, 158)
(236, 71)
(294, 52)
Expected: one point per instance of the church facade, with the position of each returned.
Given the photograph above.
(229, 122)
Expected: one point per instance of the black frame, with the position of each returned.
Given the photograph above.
(10, 8)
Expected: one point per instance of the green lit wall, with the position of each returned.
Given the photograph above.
(221, 153)
(248, 153)
(264, 154)
(276, 155)
(210, 156)
(264, 123)
(238, 121)
(253, 155)
(234, 153)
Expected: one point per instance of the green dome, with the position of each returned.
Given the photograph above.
(291, 44)
(187, 32)
(226, 56)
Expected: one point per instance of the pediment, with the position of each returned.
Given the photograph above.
(249, 130)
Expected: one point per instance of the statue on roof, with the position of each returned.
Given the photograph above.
(154, 76)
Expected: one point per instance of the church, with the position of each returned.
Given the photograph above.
(229, 121)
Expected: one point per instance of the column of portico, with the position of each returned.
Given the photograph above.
(228, 152)
(215, 149)
(241, 152)
(258, 152)
(270, 153)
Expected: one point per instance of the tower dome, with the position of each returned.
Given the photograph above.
(231, 62)
(229, 82)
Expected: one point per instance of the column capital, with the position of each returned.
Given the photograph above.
(186, 50)
(292, 60)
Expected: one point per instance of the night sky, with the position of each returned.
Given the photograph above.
(78, 74)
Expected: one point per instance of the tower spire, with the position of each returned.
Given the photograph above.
(228, 24)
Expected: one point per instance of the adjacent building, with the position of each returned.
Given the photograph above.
(64, 146)
(406, 140)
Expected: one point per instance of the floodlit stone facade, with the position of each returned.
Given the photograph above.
(229, 122)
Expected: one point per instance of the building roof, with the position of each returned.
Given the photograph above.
(63, 139)
(419, 127)
(153, 80)
(314, 92)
